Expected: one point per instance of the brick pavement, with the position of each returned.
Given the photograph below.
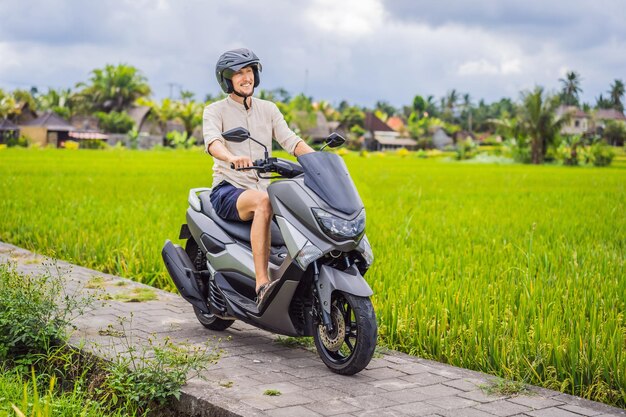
(394, 384)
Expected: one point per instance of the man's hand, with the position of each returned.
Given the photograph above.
(240, 161)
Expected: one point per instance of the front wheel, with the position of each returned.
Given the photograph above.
(350, 346)
(210, 321)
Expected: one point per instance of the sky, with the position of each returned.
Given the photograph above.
(361, 51)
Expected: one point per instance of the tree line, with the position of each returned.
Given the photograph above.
(532, 121)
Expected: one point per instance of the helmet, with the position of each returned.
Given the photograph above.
(232, 61)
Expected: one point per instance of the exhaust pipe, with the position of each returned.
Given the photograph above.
(183, 274)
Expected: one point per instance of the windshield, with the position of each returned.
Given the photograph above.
(327, 175)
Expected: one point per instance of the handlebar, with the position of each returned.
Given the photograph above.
(282, 167)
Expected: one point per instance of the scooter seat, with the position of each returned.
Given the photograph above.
(238, 230)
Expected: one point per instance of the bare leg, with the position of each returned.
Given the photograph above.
(255, 205)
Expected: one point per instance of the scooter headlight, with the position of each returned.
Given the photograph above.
(338, 228)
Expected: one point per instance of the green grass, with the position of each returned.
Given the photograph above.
(513, 270)
(38, 396)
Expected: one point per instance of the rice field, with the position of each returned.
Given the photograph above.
(514, 270)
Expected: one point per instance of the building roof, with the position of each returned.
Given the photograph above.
(396, 123)
(610, 114)
(51, 121)
(392, 138)
(574, 111)
(6, 124)
(374, 124)
(138, 114)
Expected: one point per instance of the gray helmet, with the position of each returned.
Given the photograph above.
(232, 61)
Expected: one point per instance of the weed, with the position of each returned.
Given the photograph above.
(291, 342)
(136, 295)
(96, 282)
(34, 312)
(505, 387)
(272, 392)
(147, 376)
(111, 331)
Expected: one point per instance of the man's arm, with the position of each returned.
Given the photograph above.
(217, 150)
(302, 148)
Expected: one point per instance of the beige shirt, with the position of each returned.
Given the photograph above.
(263, 120)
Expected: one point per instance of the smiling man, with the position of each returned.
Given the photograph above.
(242, 195)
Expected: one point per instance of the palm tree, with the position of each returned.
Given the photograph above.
(327, 109)
(7, 104)
(186, 96)
(538, 120)
(451, 99)
(603, 103)
(467, 110)
(448, 104)
(571, 88)
(59, 101)
(616, 94)
(113, 88)
(385, 108)
(190, 114)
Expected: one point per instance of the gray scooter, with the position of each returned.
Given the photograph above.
(319, 255)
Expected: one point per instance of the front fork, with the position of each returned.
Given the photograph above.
(317, 288)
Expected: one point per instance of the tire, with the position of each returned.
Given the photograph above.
(210, 321)
(350, 352)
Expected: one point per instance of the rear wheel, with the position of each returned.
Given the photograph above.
(350, 346)
(208, 320)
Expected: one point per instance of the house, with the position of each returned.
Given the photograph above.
(603, 115)
(8, 131)
(579, 122)
(441, 140)
(48, 129)
(322, 129)
(388, 141)
(379, 136)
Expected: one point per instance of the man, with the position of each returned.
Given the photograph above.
(241, 195)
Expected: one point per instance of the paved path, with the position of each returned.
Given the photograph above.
(393, 385)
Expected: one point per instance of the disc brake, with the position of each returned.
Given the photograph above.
(334, 340)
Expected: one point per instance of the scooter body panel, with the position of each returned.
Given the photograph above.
(183, 274)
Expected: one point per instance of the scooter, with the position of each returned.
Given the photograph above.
(319, 254)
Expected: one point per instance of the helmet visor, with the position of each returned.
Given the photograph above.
(230, 71)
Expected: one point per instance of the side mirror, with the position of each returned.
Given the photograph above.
(238, 134)
(335, 140)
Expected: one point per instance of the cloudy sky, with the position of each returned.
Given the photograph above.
(358, 50)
